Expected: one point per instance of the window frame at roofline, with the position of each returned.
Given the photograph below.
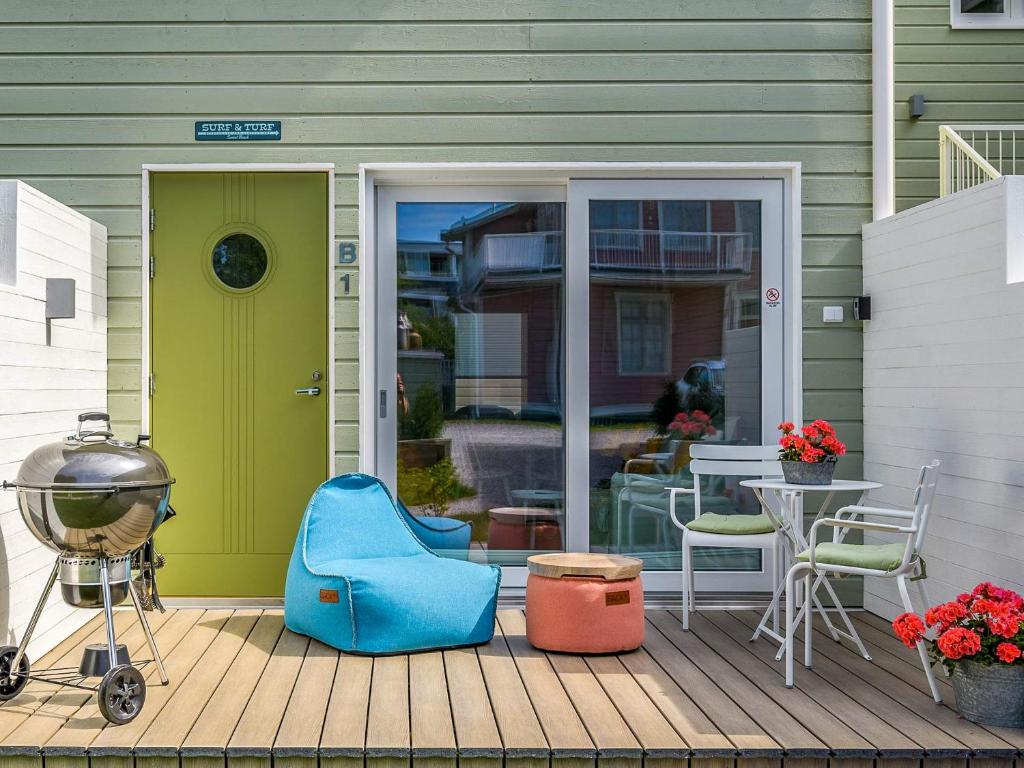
(1012, 17)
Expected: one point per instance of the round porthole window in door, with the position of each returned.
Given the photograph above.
(239, 261)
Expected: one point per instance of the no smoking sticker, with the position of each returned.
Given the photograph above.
(772, 297)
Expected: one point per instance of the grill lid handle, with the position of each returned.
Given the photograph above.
(83, 418)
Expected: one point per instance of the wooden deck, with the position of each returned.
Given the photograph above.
(245, 693)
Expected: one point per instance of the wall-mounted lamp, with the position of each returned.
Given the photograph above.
(60, 301)
(916, 106)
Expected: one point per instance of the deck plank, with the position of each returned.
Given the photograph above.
(521, 731)
(656, 735)
(251, 743)
(906, 683)
(432, 730)
(388, 733)
(205, 745)
(68, 747)
(343, 741)
(886, 725)
(298, 738)
(476, 731)
(709, 746)
(616, 744)
(50, 718)
(747, 736)
(14, 713)
(851, 742)
(571, 745)
(113, 747)
(796, 739)
(247, 693)
(160, 745)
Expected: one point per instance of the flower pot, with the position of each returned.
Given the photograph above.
(802, 473)
(990, 694)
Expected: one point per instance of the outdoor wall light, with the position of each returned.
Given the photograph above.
(916, 106)
(60, 301)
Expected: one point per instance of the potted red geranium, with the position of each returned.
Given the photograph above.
(979, 638)
(809, 458)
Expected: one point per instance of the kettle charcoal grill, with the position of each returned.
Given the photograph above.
(96, 501)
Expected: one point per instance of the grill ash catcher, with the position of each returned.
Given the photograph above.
(96, 502)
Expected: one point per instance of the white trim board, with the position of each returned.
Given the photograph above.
(146, 360)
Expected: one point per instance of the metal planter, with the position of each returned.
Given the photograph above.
(990, 694)
(802, 473)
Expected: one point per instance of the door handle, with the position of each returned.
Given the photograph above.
(311, 391)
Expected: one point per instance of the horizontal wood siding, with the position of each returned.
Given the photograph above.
(90, 91)
(943, 356)
(965, 76)
(43, 385)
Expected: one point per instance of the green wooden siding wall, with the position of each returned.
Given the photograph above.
(91, 90)
(965, 75)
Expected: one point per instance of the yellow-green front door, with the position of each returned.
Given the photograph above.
(238, 332)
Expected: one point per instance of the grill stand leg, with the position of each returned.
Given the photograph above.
(137, 602)
(108, 611)
(25, 638)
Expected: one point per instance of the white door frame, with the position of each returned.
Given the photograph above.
(146, 361)
(375, 183)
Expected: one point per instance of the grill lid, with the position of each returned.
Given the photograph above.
(92, 459)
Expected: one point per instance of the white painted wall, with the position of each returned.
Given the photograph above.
(43, 387)
(944, 378)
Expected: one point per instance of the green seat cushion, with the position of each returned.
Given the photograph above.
(878, 557)
(731, 525)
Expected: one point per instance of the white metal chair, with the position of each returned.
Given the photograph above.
(718, 530)
(900, 560)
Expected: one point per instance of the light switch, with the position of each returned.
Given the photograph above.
(832, 314)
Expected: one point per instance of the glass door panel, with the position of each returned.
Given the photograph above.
(478, 433)
(678, 353)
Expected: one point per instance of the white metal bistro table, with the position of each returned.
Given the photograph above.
(790, 526)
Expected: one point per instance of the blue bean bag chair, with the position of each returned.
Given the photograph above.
(360, 580)
(445, 535)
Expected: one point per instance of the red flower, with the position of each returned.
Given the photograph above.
(709, 430)
(1006, 625)
(699, 415)
(945, 615)
(1007, 653)
(812, 455)
(958, 642)
(810, 431)
(964, 597)
(787, 427)
(824, 427)
(834, 446)
(909, 628)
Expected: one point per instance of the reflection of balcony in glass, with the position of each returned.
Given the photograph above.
(626, 250)
(429, 261)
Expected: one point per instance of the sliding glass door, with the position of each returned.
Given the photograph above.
(546, 356)
(680, 345)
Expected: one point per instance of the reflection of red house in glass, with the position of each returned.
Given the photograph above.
(669, 280)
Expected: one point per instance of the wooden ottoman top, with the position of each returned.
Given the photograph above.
(559, 564)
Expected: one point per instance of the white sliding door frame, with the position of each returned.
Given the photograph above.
(776, 185)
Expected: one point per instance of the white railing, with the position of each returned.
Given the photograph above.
(667, 251)
(624, 249)
(973, 154)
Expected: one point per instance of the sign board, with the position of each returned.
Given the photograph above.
(238, 130)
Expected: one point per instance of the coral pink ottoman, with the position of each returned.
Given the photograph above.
(584, 603)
